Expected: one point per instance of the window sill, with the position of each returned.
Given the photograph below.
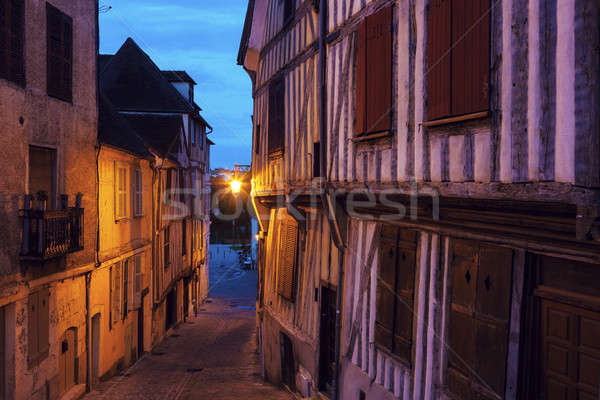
(57, 97)
(121, 220)
(372, 136)
(460, 118)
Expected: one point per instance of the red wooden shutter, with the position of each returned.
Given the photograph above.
(438, 74)
(470, 56)
(379, 71)
(361, 75)
(276, 115)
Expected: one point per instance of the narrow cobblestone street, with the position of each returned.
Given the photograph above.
(212, 356)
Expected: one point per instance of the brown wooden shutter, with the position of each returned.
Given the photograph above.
(361, 76)
(286, 280)
(438, 73)
(32, 325)
(379, 71)
(116, 293)
(276, 115)
(386, 287)
(470, 56)
(44, 319)
(12, 37)
(405, 284)
(59, 53)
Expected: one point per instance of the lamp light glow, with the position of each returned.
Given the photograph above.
(236, 186)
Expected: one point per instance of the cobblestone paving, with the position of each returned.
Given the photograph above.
(213, 356)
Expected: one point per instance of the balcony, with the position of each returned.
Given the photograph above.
(49, 234)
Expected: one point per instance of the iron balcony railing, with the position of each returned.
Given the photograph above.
(51, 234)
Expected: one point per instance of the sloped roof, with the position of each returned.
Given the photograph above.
(178, 76)
(114, 130)
(103, 60)
(133, 82)
(161, 132)
(246, 33)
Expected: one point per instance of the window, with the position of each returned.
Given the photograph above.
(288, 10)
(458, 58)
(194, 133)
(38, 329)
(120, 191)
(257, 140)
(166, 248)
(12, 38)
(395, 291)
(276, 116)
(286, 276)
(42, 172)
(374, 74)
(184, 237)
(137, 193)
(479, 317)
(59, 53)
(115, 294)
(126, 288)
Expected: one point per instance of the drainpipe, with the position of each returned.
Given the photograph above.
(88, 280)
(329, 204)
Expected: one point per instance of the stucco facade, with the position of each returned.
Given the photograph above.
(67, 129)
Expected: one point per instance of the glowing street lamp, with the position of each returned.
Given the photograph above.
(236, 186)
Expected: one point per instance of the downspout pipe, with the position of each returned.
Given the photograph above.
(329, 204)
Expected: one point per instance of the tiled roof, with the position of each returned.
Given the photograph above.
(133, 82)
(161, 132)
(114, 130)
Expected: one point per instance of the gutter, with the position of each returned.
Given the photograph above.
(329, 204)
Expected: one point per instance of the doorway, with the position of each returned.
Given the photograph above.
(67, 361)
(171, 311)
(288, 365)
(564, 314)
(327, 345)
(95, 349)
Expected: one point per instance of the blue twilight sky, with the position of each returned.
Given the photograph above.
(201, 37)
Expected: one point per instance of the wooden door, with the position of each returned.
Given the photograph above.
(95, 348)
(564, 315)
(66, 361)
(570, 352)
(327, 340)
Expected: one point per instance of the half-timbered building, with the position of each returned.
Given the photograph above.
(426, 178)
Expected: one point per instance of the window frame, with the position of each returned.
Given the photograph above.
(10, 69)
(61, 64)
(276, 117)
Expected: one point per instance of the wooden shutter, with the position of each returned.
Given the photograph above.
(374, 73)
(386, 287)
(137, 200)
(470, 56)
(43, 319)
(167, 244)
(138, 276)
(59, 53)
(286, 282)
(115, 277)
(12, 36)
(276, 115)
(439, 58)
(257, 141)
(32, 325)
